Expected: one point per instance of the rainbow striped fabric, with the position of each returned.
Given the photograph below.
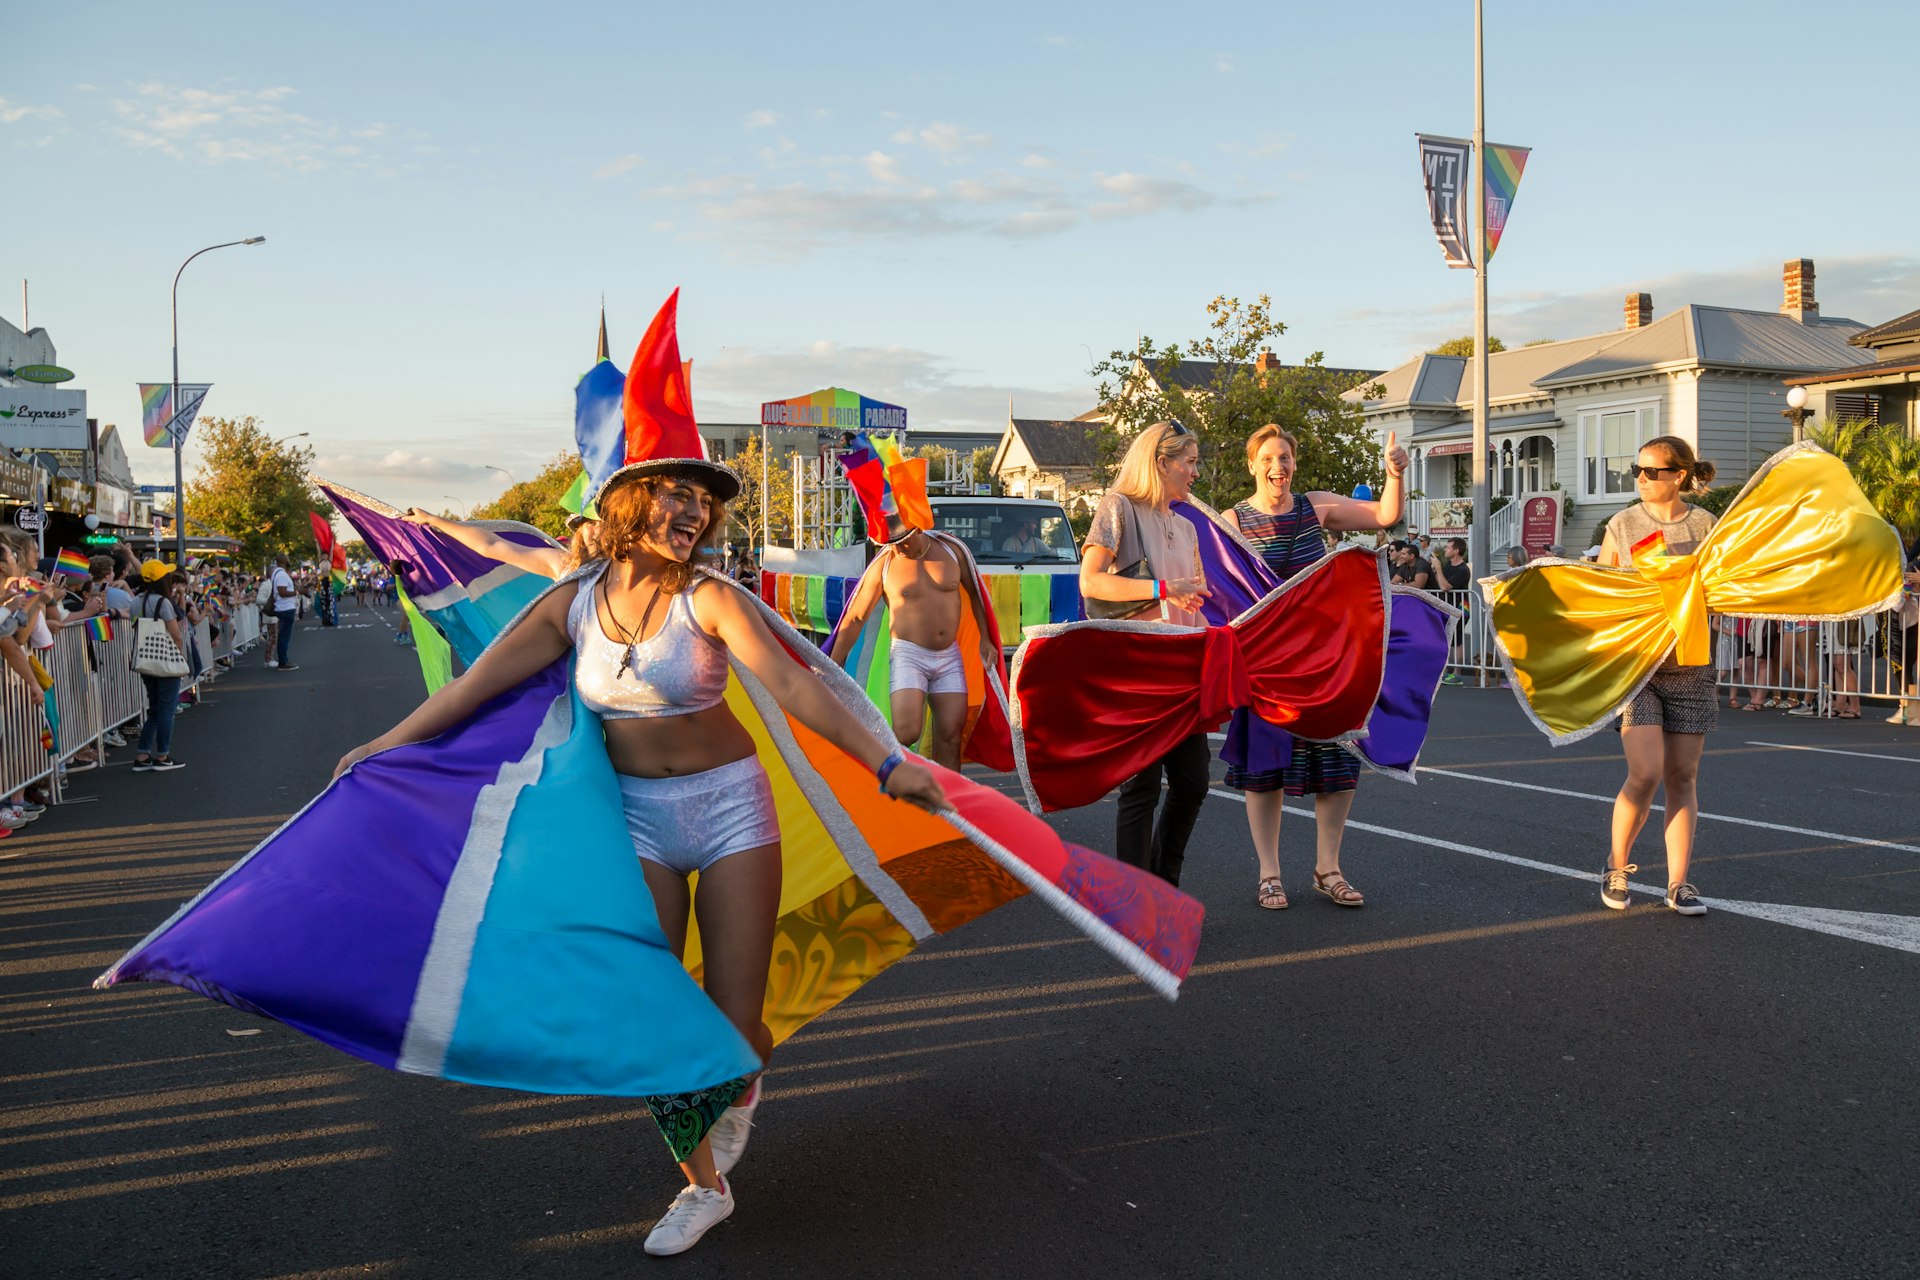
(70, 562)
(100, 627)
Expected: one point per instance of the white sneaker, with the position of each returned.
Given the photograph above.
(272, 663)
(113, 739)
(730, 1132)
(12, 820)
(693, 1213)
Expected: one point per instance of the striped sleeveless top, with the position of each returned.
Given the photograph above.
(1288, 542)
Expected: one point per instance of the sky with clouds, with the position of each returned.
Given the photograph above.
(944, 208)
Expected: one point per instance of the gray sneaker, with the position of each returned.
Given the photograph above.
(1613, 886)
(1685, 899)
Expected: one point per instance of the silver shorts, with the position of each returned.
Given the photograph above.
(933, 670)
(687, 824)
(1677, 699)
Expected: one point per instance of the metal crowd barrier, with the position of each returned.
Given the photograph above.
(95, 689)
(1833, 666)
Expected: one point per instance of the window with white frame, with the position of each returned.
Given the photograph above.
(1610, 437)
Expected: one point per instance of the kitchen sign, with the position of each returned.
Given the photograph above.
(43, 418)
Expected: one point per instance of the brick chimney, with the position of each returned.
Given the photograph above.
(1263, 362)
(1799, 301)
(1639, 310)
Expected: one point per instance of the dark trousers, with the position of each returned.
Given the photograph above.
(1160, 847)
(286, 618)
(163, 699)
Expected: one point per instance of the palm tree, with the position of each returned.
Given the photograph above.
(1885, 462)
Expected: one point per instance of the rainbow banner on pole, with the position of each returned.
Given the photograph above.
(159, 423)
(70, 562)
(1504, 167)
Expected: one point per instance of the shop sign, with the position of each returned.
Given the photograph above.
(111, 503)
(29, 519)
(43, 418)
(16, 479)
(1540, 524)
(43, 373)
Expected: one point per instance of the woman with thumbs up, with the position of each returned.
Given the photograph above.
(1287, 529)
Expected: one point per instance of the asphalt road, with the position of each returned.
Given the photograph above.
(1480, 1073)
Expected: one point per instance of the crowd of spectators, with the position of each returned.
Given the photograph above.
(40, 597)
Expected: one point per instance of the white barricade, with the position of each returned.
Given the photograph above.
(23, 759)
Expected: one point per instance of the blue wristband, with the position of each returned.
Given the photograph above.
(895, 758)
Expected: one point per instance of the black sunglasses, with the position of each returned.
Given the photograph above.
(1652, 473)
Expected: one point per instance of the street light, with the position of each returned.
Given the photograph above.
(463, 506)
(179, 439)
(503, 471)
(298, 435)
(1797, 412)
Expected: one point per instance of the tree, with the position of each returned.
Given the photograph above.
(537, 501)
(1464, 346)
(983, 467)
(752, 508)
(1337, 449)
(1885, 462)
(254, 490)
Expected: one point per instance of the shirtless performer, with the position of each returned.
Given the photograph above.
(923, 577)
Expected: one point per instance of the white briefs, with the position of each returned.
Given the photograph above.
(930, 670)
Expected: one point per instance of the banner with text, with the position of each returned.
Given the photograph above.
(163, 425)
(1443, 162)
(40, 417)
(1504, 167)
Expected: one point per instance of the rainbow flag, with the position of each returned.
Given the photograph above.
(71, 562)
(156, 405)
(1504, 167)
(100, 627)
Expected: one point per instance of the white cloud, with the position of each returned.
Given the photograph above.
(1223, 63)
(619, 165)
(943, 138)
(1135, 195)
(735, 381)
(395, 464)
(12, 112)
(760, 120)
(1869, 288)
(227, 125)
(1034, 160)
(882, 167)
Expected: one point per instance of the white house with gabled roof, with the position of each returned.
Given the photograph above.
(1566, 418)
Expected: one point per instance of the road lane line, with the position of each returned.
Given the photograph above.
(1901, 933)
(1660, 808)
(1835, 751)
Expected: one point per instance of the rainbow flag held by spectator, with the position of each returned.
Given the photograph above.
(100, 627)
(70, 562)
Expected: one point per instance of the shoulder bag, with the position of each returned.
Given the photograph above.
(1106, 610)
(154, 652)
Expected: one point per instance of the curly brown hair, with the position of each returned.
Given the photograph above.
(627, 510)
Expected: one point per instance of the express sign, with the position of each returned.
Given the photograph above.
(33, 417)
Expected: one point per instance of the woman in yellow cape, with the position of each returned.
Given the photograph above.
(1629, 637)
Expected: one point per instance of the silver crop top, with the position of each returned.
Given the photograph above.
(677, 670)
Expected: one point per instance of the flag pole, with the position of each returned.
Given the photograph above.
(1479, 556)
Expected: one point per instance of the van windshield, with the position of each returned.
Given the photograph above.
(1008, 533)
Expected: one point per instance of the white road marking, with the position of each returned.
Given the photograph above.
(1901, 933)
(1835, 751)
(1659, 808)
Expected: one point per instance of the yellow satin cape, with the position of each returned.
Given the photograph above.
(1579, 640)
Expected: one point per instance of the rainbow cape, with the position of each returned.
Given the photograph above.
(471, 908)
(988, 738)
(468, 598)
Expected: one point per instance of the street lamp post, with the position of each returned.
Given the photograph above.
(1797, 412)
(179, 439)
(503, 471)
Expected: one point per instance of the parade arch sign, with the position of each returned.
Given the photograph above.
(833, 409)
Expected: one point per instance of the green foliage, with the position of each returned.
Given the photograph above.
(753, 508)
(254, 490)
(1137, 389)
(1717, 499)
(1885, 462)
(1464, 346)
(537, 501)
(1536, 342)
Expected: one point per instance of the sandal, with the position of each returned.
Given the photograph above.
(1771, 703)
(1751, 706)
(1335, 886)
(1272, 895)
